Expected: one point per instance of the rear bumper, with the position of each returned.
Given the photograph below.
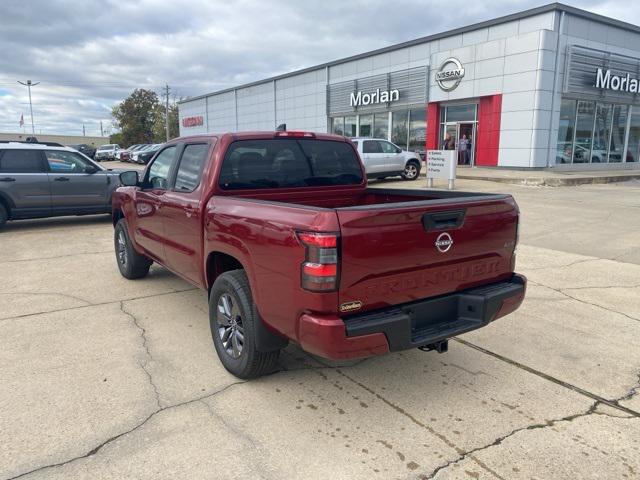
(412, 325)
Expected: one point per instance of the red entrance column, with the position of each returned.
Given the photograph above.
(488, 136)
(433, 125)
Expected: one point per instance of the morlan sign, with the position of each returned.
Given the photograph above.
(617, 83)
(358, 98)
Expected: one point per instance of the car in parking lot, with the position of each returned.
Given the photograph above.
(282, 231)
(106, 152)
(85, 149)
(144, 155)
(124, 155)
(383, 159)
(44, 180)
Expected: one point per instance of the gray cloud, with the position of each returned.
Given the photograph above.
(88, 55)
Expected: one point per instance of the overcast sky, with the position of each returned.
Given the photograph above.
(88, 55)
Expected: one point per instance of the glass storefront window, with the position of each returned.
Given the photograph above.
(601, 133)
(461, 113)
(618, 131)
(584, 132)
(350, 126)
(633, 148)
(399, 128)
(381, 125)
(564, 147)
(366, 125)
(337, 126)
(417, 129)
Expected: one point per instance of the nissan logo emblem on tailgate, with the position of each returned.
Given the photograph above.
(444, 242)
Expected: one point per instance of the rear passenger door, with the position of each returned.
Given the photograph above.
(182, 209)
(373, 157)
(24, 185)
(77, 186)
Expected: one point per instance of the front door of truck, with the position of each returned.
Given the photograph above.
(182, 213)
(149, 230)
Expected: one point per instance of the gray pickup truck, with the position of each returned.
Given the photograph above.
(45, 180)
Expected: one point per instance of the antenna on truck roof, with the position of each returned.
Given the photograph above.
(281, 128)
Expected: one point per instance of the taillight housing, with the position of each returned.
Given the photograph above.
(319, 272)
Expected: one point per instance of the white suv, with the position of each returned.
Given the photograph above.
(107, 152)
(382, 159)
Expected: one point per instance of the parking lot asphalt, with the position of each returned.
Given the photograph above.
(107, 378)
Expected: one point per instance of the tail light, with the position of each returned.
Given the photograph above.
(319, 272)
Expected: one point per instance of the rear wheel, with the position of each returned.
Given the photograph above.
(233, 318)
(4, 215)
(131, 264)
(411, 170)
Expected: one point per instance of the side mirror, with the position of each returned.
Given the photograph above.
(398, 150)
(129, 178)
(90, 169)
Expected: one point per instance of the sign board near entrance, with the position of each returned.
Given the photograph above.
(441, 164)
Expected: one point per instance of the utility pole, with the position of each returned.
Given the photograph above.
(30, 84)
(166, 111)
(101, 130)
(83, 131)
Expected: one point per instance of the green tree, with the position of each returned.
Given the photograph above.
(136, 117)
(160, 132)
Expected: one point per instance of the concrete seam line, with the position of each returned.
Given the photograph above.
(20, 260)
(593, 396)
(120, 435)
(499, 440)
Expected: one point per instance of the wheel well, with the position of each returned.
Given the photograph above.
(116, 216)
(218, 263)
(6, 205)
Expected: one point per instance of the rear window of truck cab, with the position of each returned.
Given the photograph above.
(289, 163)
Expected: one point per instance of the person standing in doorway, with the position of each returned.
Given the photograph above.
(449, 143)
(463, 150)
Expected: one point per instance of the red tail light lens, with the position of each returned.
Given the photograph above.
(319, 272)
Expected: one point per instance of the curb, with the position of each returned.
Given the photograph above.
(553, 181)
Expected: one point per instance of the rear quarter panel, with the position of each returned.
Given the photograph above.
(262, 236)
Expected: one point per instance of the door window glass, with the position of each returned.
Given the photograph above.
(564, 146)
(371, 146)
(387, 147)
(66, 162)
(584, 132)
(350, 126)
(159, 170)
(190, 169)
(366, 125)
(20, 161)
(601, 133)
(381, 125)
(338, 125)
(417, 129)
(618, 131)
(633, 149)
(400, 128)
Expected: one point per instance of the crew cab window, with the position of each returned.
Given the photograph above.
(371, 146)
(21, 161)
(190, 169)
(158, 176)
(67, 162)
(288, 163)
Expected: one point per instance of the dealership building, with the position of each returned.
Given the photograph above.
(551, 87)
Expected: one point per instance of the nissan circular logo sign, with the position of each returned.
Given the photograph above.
(444, 242)
(450, 74)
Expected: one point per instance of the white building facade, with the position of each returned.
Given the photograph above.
(551, 87)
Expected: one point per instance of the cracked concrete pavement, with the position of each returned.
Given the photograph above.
(107, 378)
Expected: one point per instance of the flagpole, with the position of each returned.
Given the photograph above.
(30, 84)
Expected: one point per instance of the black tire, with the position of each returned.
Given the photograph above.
(236, 320)
(131, 264)
(411, 170)
(4, 215)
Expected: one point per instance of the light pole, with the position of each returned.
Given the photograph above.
(29, 84)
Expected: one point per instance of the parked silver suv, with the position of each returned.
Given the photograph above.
(383, 159)
(47, 179)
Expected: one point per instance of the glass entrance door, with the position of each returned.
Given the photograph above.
(466, 143)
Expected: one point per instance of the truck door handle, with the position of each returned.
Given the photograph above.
(443, 220)
(61, 179)
(189, 210)
(7, 179)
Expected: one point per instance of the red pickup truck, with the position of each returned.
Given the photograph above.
(282, 231)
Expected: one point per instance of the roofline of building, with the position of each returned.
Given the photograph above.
(551, 7)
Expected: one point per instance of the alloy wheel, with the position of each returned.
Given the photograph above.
(411, 171)
(230, 327)
(122, 249)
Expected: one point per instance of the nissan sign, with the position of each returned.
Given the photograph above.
(196, 121)
(450, 74)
